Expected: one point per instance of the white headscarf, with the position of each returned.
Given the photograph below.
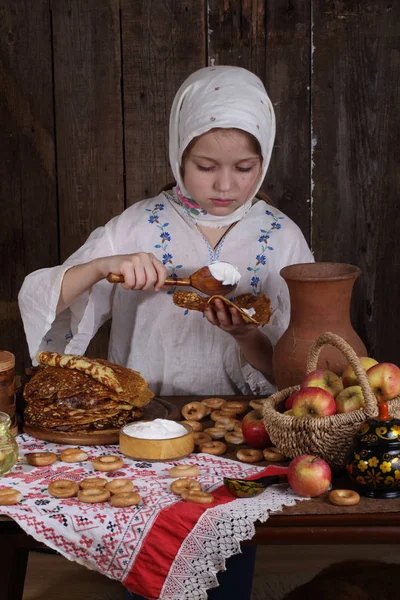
(225, 97)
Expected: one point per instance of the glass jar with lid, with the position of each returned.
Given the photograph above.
(8, 445)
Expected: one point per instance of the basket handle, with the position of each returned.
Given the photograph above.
(370, 403)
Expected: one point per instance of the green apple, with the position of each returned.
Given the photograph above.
(349, 399)
(350, 378)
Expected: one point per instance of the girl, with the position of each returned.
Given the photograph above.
(222, 129)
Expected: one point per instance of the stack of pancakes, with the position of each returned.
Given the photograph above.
(76, 394)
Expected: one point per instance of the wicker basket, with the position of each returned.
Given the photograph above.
(326, 437)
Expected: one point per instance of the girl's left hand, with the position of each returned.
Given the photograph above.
(228, 319)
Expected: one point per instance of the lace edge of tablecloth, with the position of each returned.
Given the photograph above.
(215, 538)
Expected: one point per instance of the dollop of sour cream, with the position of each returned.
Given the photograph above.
(159, 429)
(225, 272)
(249, 311)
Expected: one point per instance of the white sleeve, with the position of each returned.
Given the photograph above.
(298, 252)
(71, 330)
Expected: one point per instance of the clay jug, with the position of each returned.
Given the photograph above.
(320, 297)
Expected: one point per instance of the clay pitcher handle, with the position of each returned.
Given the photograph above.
(370, 403)
(117, 278)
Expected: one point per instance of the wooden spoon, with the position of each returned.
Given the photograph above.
(201, 280)
(247, 488)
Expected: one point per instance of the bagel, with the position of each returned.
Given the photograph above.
(201, 437)
(214, 403)
(249, 455)
(72, 455)
(9, 497)
(63, 488)
(125, 499)
(215, 433)
(40, 459)
(179, 485)
(107, 463)
(234, 438)
(344, 497)
(273, 455)
(194, 411)
(195, 425)
(92, 482)
(216, 448)
(197, 496)
(93, 495)
(237, 407)
(117, 486)
(184, 471)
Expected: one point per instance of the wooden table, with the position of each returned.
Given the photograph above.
(312, 521)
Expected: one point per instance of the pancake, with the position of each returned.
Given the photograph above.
(101, 372)
(58, 382)
(56, 418)
(66, 399)
(260, 303)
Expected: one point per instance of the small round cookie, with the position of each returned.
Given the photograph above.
(41, 459)
(125, 499)
(107, 463)
(92, 482)
(119, 486)
(9, 497)
(63, 488)
(93, 495)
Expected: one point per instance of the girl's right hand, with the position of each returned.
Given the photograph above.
(141, 270)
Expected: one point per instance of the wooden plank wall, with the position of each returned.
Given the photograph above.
(85, 92)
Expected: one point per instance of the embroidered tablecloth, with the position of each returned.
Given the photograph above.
(163, 548)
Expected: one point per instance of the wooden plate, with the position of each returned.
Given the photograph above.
(157, 408)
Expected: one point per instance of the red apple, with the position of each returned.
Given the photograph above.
(254, 431)
(384, 379)
(349, 378)
(289, 401)
(322, 378)
(351, 398)
(309, 476)
(313, 402)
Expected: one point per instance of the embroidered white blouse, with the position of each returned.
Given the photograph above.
(177, 351)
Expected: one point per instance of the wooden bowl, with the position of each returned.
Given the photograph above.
(157, 450)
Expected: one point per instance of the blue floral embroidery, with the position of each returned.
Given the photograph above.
(261, 259)
(165, 236)
(68, 335)
(47, 339)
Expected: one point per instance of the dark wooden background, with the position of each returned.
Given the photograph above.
(85, 92)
